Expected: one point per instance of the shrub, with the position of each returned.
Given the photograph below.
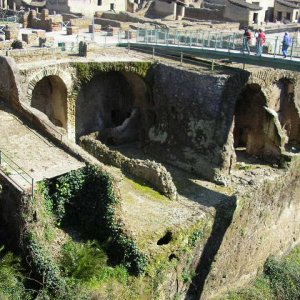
(284, 278)
(85, 199)
(16, 44)
(11, 278)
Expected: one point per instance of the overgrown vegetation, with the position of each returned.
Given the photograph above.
(76, 247)
(86, 71)
(11, 277)
(87, 264)
(80, 209)
(85, 199)
(280, 281)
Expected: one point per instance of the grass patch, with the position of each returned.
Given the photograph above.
(87, 264)
(143, 188)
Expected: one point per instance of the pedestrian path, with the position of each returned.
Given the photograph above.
(216, 46)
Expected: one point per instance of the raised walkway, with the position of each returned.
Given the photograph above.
(27, 156)
(212, 45)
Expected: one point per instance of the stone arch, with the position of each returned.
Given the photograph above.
(256, 128)
(282, 101)
(112, 104)
(57, 71)
(50, 97)
(49, 91)
(250, 117)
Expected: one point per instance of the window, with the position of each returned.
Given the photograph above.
(255, 18)
(112, 6)
(288, 16)
(279, 15)
(99, 2)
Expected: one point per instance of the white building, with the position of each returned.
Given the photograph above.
(86, 7)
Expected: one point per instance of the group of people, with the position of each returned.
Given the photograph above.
(260, 39)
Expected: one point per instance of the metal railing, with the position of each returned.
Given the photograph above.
(226, 41)
(7, 165)
(12, 19)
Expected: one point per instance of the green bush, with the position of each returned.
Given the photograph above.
(85, 199)
(279, 281)
(284, 278)
(11, 278)
(16, 44)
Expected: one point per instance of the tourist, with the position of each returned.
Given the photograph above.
(246, 40)
(286, 42)
(260, 41)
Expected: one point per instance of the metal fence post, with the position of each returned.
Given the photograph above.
(153, 53)
(275, 46)
(291, 55)
(32, 187)
(181, 58)
(0, 157)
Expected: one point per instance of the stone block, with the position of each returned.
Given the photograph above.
(30, 39)
(111, 31)
(130, 34)
(11, 34)
(95, 28)
(40, 33)
(72, 30)
(45, 14)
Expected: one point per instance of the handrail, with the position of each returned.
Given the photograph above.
(213, 39)
(13, 165)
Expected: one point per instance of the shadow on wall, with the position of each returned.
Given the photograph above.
(223, 219)
(112, 104)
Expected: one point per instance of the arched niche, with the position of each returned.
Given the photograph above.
(50, 97)
(250, 118)
(282, 100)
(112, 105)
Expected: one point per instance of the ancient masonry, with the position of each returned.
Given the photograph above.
(239, 130)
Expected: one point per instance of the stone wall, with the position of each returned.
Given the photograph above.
(192, 118)
(165, 9)
(266, 222)
(107, 22)
(285, 10)
(81, 22)
(204, 13)
(11, 198)
(151, 171)
(35, 54)
(9, 80)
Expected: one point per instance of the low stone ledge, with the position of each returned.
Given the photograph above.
(151, 171)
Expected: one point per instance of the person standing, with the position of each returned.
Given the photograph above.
(246, 40)
(286, 43)
(260, 41)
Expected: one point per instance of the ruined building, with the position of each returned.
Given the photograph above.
(219, 149)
